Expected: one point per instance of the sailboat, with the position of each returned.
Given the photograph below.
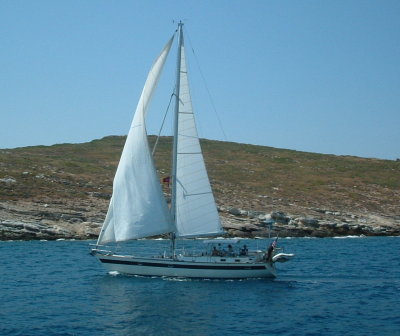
(138, 208)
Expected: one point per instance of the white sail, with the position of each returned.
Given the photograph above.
(138, 208)
(196, 212)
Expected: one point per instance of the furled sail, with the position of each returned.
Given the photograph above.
(138, 208)
(196, 212)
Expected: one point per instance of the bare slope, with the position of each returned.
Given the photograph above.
(243, 176)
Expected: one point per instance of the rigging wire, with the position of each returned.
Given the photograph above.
(162, 125)
(165, 115)
(206, 86)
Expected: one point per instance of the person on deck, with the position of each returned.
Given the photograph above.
(215, 252)
(230, 250)
(270, 253)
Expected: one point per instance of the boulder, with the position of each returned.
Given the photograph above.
(280, 217)
(234, 226)
(8, 180)
(256, 214)
(307, 221)
(238, 212)
(330, 226)
(234, 211)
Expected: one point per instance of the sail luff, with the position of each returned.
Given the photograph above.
(137, 207)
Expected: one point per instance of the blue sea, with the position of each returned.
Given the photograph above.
(334, 286)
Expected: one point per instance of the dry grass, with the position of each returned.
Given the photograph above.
(254, 177)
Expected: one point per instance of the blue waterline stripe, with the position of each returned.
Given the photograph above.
(126, 262)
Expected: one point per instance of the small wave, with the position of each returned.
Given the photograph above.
(350, 236)
(176, 279)
(114, 273)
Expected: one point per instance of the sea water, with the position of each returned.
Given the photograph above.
(332, 287)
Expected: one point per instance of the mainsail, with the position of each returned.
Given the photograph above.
(138, 208)
(196, 213)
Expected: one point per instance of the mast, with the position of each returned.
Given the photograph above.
(175, 144)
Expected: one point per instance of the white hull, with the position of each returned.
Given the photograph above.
(215, 268)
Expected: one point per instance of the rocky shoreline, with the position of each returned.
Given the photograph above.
(323, 223)
(62, 219)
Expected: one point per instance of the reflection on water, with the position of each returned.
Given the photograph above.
(332, 287)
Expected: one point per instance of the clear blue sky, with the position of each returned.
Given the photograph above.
(316, 76)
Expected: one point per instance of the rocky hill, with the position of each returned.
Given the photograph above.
(62, 191)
